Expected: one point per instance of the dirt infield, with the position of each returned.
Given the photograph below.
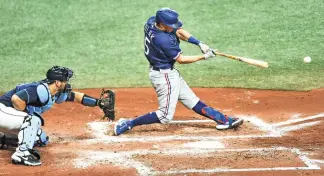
(281, 135)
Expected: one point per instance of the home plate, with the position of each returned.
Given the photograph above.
(204, 144)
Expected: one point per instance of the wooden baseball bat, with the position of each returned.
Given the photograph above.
(258, 63)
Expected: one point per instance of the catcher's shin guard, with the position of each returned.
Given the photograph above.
(28, 132)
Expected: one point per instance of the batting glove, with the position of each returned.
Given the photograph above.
(203, 47)
(209, 54)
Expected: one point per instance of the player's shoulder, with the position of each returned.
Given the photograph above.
(163, 38)
(35, 89)
(43, 92)
(151, 20)
(27, 85)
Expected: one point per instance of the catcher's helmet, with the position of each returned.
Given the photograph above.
(168, 17)
(59, 73)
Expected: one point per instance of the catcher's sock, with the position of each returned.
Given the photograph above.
(145, 119)
(204, 110)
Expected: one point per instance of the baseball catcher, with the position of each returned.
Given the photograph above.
(162, 35)
(21, 111)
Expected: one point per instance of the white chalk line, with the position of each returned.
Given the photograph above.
(272, 130)
(299, 126)
(218, 170)
(124, 159)
(99, 129)
(204, 144)
(318, 161)
(110, 139)
(305, 159)
(310, 164)
(90, 158)
(292, 121)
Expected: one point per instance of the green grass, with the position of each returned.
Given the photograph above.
(102, 41)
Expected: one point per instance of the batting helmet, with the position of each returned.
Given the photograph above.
(168, 17)
(59, 73)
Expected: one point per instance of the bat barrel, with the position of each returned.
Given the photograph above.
(255, 62)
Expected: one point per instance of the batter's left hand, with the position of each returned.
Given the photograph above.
(203, 47)
(209, 54)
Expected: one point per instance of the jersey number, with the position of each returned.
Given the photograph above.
(146, 42)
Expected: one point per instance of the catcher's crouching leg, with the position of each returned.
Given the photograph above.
(26, 137)
(41, 138)
(11, 140)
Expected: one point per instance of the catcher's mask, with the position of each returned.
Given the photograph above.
(58, 73)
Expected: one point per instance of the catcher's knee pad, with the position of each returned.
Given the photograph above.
(41, 138)
(28, 132)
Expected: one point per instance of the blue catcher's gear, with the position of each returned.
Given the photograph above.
(168, 17)
(12, 139)
(41, 139)
(38, 99)
(28, 132)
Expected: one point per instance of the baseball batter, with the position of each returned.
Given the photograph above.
(162, 37)
(21, 109)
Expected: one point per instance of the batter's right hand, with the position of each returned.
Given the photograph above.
(209, 54)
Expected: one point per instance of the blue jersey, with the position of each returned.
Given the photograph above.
(161, 48)
(39, 97)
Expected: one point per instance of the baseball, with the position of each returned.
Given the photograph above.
(307, 59)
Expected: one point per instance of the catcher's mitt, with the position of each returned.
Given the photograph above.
(107, 103)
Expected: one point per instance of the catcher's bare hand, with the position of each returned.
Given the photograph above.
(107, 103)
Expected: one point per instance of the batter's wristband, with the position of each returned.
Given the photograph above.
(89, 101)
(193, 40)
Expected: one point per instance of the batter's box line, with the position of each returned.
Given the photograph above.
(272, 130)
(99, 129)
(292, 121)
(125, 159)
(310, 164)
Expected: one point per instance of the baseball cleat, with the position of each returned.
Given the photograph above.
(121, 126)
(235, 124)
(25, 158)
